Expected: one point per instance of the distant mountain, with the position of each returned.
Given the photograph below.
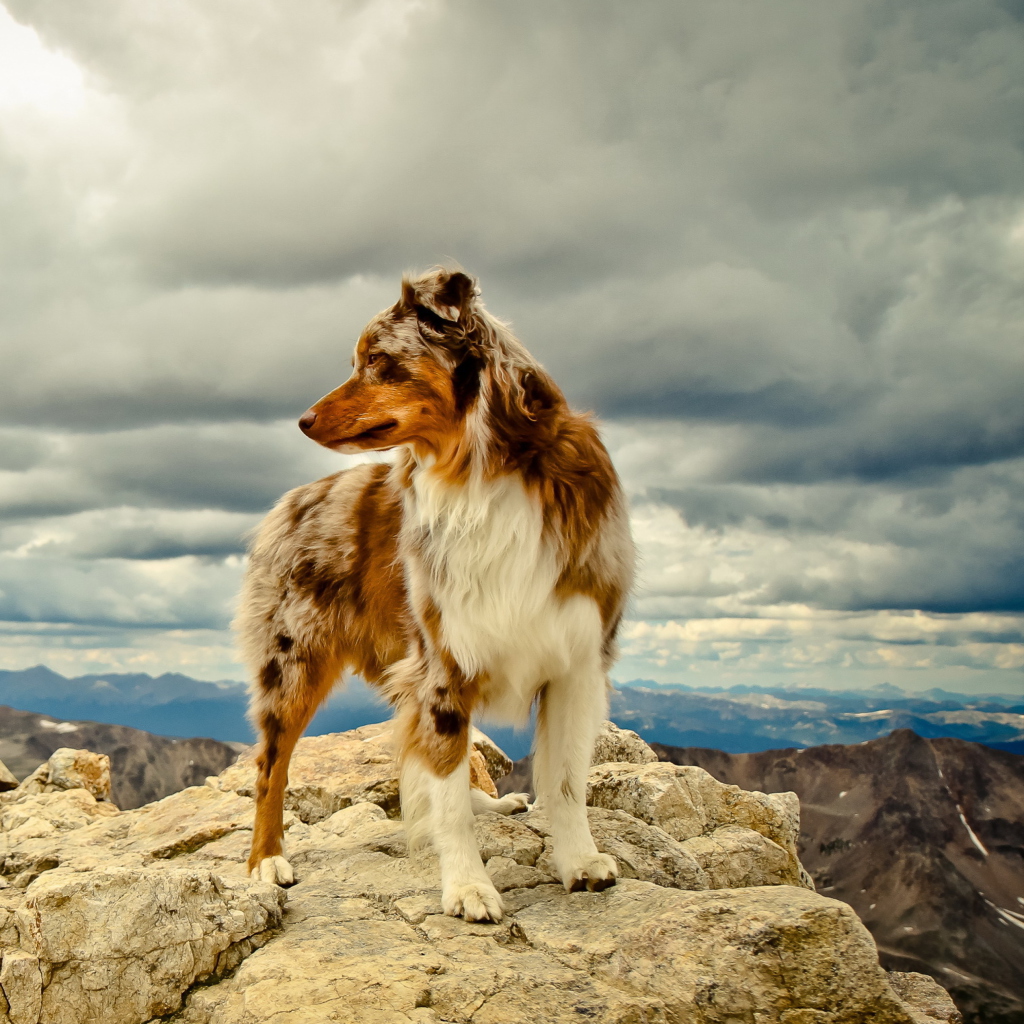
(143, 767)
(924, 838)
(171, 704)
(745, 719)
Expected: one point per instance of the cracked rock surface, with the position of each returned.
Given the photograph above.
(127, 917)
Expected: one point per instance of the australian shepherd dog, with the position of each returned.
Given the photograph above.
(483, 571)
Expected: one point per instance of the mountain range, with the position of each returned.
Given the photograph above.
(170, 704)
(741, 719)
(747, 719)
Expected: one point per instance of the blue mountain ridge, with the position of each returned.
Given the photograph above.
(741, 719)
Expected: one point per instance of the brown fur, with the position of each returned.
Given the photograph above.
(327, 591)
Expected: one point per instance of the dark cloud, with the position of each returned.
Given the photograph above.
(237, 467)
(777, 248)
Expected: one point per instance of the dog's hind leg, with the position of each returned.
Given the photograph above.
(569, 716)
(483, 802)
(289, 690)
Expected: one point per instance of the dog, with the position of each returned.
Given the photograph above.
(484, 570)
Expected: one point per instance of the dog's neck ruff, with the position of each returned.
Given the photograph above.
(479, 552)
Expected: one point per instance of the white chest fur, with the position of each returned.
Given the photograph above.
(480, 553)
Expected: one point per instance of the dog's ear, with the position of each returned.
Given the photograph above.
(444, 293)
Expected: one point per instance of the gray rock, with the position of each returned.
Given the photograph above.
(622, 745)
(687, 803)
(69, 769)
(123, 945)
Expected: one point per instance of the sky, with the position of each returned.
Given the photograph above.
(777, 248)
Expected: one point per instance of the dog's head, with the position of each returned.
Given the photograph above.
(416, 369)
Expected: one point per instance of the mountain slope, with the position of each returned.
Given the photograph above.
(924, 838)
(143, 767)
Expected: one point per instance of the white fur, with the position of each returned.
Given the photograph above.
(484, 803)
(466, 889)
(479, 552)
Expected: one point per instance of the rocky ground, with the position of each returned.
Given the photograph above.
(124, 917)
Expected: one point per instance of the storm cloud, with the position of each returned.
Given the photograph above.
(776, 248)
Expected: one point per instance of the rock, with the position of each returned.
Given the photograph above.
(328, 773)
(36, 828)
(889, 826)
(687, 802)
(479, 777)
(636, 952)
(729, 857)
(700, 956)
(70, 769)
(501, 836)
(622, 745)
(129, 916)
(7, 780)
(22, 984)
(643, 851)
(353, 820)
(73, 829)
(927, 999)
(499, 764)
(122, 945)
(733, 857)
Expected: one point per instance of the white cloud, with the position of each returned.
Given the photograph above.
(32, 76)
(79, 649)
(776, 248)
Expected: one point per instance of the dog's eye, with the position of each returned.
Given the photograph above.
(372, 358)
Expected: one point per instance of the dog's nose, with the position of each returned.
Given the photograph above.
(307, 420)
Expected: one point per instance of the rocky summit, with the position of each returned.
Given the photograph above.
(125, 917)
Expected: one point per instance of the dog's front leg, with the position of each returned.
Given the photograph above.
(569, 717)
(466, 889)
(434, 742)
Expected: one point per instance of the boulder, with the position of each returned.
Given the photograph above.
(637, 952)
(688, 803)
(7, 779)
(134, 916)
(69, 769)
(499, 764)
(329, 773)
(622, 745)
(927, 999)
(123, 945)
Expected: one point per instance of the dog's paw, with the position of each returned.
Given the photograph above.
(475, 901)
(512, 803)
(275, 870)
(595, 872)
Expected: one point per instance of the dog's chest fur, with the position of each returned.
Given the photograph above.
(480, 553)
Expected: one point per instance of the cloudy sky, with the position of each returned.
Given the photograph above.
(778, 248)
